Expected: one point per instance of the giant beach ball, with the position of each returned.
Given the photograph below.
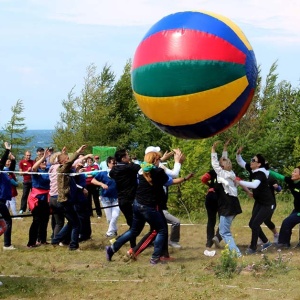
(194, 74)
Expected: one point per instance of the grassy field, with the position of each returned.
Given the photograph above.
(47, 272)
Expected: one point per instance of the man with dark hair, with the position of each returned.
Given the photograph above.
(25, 165)
(125, 175)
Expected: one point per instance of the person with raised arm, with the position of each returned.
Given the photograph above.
(5, 193)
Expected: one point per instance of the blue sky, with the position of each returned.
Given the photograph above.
(46, 45)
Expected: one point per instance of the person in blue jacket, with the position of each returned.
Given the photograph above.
(5, 193)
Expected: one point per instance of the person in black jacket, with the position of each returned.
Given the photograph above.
(149, 193)
(125, 175)
(264, 202)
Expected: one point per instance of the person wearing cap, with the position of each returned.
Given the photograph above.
(148, 196)
(39, 152)
(25, 165)
(149, 237)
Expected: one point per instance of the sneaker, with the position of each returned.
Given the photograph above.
(33, 246)
(250, 251)
(259, 242)
(129, 255)
(265, 246)
(216, 242)
(174, 244)
(11, 247)
(154, 261)
(21, 212)
(111, 234)
(276, 236)
(109, 252)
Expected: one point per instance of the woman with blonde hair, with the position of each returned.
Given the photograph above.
(149, 194)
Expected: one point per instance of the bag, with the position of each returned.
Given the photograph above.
(2, 226)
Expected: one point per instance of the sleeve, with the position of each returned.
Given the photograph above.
(276, 175)
(4, 159)
(240, 161)
(225, 154)
(169, 182)
(174, 173)
(251, 185)
(205, 178)
(215, 163)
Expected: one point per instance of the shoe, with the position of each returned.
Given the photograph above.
(166, 258)
(11, 247)
(276, 236)
(266, 245)
(109, 252)
(21, 212)
(259, 242)
(33, 246)
(154, 261)
(75, 249)
(216, 242)
(250, 251)
(283, 246)
(111, 234)
(131, 254)
(174, 244)
(99, 217)
(61, 244)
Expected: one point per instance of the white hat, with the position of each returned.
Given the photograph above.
(152, 149)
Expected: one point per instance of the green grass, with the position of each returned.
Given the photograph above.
(47, 272)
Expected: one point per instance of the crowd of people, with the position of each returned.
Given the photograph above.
(68, 186)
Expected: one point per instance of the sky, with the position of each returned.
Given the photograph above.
(47, 45)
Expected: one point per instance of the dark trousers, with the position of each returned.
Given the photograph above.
(93, 194)
(83, 211)
(27, 186)
(40, 219)
(287, 225)
(127, 210)
(7, 218)
(260, 213)
(211, 205)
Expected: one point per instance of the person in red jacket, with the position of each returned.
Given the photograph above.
(25, 165)
(93, 190)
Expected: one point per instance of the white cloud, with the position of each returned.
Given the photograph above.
(275, 16)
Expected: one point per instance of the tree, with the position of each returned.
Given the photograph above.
(15, 129)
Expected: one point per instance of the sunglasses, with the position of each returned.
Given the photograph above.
(253, 160)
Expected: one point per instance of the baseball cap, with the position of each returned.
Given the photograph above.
(152, 149)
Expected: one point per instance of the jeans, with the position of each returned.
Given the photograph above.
(58, 217)
(111, 213)
(175, 226)
(127, 210)
(286, 228)
(6, 216)
(72, 225)
(224, 227)
(156, 220)
(27, 186)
